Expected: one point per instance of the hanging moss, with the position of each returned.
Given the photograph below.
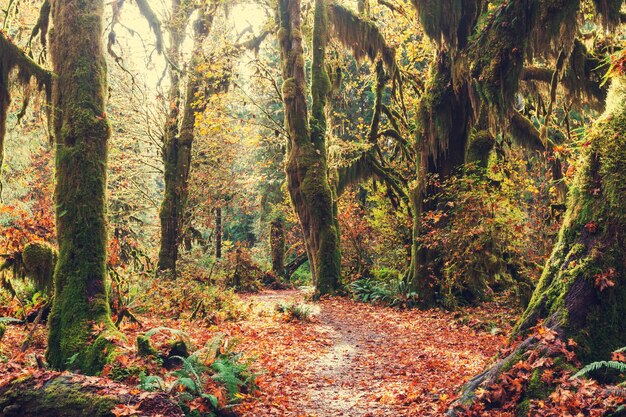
(361, 36)
(39, 260)
(13, 59)
(153, 21)
(507, 36)
(609, 11)
(448, 21)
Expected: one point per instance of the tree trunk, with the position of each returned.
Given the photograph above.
(81, 131)
(277, 244)
(583, 288)
(582, 292)
(178, 139)
(51, 394)
(168, 252)
(307, 167)
(218, 233)
(445, 114)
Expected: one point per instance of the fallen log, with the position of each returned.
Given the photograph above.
(53, 394)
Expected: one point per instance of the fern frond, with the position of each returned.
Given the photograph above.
(594, 366)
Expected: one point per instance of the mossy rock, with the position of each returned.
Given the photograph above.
(144, 348)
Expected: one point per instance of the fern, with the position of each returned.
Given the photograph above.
(297, 311)
(229, 373)
(189, 374)
(174, 332)
(594, 366)
(151, 382)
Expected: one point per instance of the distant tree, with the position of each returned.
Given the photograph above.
(180, 124)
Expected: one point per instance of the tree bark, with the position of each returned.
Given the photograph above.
(168, 252)
(81, 132)
(307, 167)
(277, 245)
(446, 119)
(179, 136)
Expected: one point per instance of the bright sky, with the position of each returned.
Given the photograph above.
(138, 45)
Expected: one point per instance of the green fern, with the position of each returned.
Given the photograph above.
(151, 382)
(174, 332)
(234, 374)
(297, 311)
(594, 366)
(189, 374)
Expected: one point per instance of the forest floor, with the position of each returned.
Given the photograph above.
(350, 359)
(356, 359)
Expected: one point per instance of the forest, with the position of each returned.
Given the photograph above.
(312, 208)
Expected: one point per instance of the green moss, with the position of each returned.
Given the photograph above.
(479, 147)
(289, 89)
(144, 347)
(59, 397)
(81, 132)
(568, 293)
(39, 262)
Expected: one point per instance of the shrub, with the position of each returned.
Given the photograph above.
(296, 311)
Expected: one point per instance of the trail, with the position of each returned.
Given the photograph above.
(359, 360)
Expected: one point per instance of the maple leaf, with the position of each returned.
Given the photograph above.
(603, 281)
(122, 410)
(618, 356)
(591, 227)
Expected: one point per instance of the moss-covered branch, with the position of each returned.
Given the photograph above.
(525, 134)
(12, 58)
(153, 20)
(361, 36)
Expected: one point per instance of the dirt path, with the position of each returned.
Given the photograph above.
(360, 360)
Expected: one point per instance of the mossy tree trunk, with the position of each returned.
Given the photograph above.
(179, 134)
(170, 207)
(81, 131)
(277, 245)
(445, 116)
(582, 292)
(307, 167)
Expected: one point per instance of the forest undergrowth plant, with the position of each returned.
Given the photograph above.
(484, 231)
(295, 311)
(394, 292)
(544, 383)
(212, 378)
(191, 299)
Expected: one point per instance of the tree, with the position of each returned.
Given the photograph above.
(179, 130)
(307, 162)
(580, 295)
(80, 320)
